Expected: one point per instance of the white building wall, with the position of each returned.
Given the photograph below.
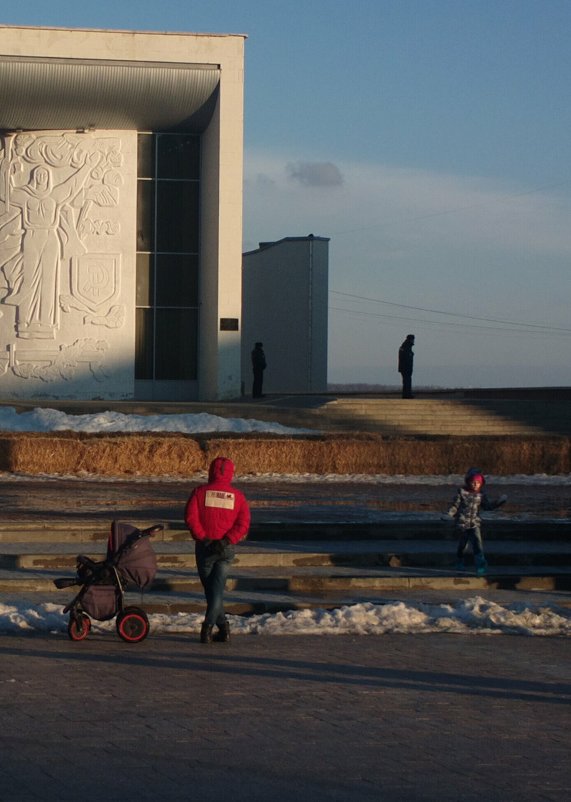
(221, 238)
(87, 351)
(67, 294)
(285, 297)
(319, 303)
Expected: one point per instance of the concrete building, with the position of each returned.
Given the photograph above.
(285, 306)
(120, 214)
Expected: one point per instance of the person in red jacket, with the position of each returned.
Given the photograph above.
(217, 516)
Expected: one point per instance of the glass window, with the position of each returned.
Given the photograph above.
(176, 344)
(145, 280)
(178, 156)
(145, 215)
(146, 156)
(177, 280)
(144, 344)
(167, 282)
(177, 217)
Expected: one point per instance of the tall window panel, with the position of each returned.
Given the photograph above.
(167, 257)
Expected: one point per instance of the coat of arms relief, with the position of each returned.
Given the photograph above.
(57, 197)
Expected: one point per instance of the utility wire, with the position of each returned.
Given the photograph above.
(446, 325)
(519, 323)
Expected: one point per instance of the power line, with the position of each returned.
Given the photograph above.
(449, 325)
(521, 324)
(445, 325)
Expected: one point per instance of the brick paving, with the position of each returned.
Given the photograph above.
(395, 718)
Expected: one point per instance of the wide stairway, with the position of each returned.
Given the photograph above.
(429, 416)
(295, 566)
(541, 413)
(461, 417)
(300, 555)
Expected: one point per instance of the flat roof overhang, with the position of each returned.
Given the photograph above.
(38, 94)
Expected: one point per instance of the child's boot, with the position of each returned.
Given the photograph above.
(481, 565)
(460, 564)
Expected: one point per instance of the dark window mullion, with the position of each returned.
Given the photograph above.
(154, 259)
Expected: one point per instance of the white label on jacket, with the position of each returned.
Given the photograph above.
(218, 498)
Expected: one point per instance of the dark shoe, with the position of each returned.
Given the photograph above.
(223, 634)
(206, 633)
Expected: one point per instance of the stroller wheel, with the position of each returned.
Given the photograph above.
(132, 624)
(79, 627)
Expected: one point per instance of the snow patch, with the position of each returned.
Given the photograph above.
(474, 616)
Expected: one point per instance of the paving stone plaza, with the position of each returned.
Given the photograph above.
(437, 717)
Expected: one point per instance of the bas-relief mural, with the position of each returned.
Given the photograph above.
(58, 193)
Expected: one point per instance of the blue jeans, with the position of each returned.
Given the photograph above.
(472, 536)
(213, 569)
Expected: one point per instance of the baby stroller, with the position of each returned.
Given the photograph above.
(130, 560)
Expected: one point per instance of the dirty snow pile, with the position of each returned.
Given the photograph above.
(52, 420)
(474, 616)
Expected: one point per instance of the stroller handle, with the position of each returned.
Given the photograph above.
(152, 530)
(64, 582)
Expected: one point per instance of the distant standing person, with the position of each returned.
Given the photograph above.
(406, 358)
(258, 366)
(217, 516)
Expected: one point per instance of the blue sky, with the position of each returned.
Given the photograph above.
(430, 139)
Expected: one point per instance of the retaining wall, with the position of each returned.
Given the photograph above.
(69, 453)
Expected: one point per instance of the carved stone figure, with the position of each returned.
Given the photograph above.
(53, 190)
(35, 290)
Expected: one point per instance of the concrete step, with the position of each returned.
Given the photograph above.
(387, 527)
(306, 573)
(428, 416)
(458, 413)
(247, 594)
(298, 564)
(237, 602)
(271, 556)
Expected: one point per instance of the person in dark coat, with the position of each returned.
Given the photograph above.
(258, 366)
(406, 358)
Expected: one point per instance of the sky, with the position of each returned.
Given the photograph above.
(429, 140)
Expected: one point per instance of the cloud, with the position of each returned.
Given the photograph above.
(396, 210)
(262, 180)
(315, 174)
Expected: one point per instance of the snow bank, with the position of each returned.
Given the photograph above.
(474, 616)
(52, 420)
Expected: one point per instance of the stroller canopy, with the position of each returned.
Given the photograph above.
(130, 551)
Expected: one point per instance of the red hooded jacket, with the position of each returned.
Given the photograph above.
(216, 510)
